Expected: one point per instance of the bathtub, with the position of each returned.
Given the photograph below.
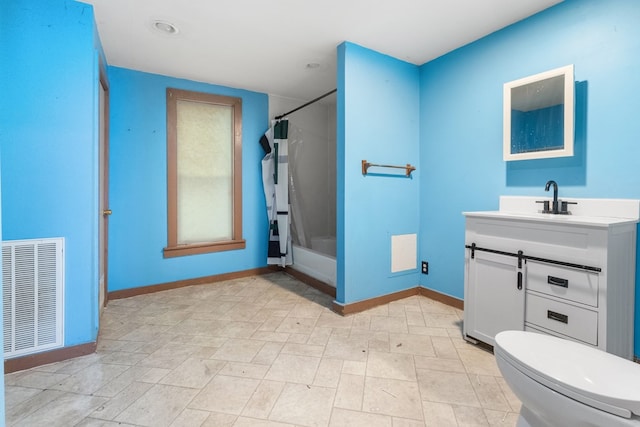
(317, 262)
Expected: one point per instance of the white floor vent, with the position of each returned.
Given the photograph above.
(33, 295)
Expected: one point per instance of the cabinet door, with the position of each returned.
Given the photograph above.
(493, 300)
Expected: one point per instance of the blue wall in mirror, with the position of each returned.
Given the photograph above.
(536, 130)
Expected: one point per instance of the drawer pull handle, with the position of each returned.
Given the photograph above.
(557, 281)
(563, 318)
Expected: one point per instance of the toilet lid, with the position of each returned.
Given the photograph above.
(587, 374)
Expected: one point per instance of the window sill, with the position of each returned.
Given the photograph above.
(203, 248)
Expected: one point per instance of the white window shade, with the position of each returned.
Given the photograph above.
(205, 172)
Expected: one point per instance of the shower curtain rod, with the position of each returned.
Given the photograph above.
(305, 105)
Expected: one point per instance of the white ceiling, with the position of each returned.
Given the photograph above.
(265, 45)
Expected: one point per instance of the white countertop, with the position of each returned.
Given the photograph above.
(598, 221)
(589, 212)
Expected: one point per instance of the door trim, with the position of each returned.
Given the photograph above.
(104, 191)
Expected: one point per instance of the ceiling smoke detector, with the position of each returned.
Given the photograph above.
(165, 27)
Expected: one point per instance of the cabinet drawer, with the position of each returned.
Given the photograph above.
(576, 322)
(562, 282)
(530, 328)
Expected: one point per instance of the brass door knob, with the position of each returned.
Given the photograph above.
(107, 212)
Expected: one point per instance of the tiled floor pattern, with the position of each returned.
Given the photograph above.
(267, 351)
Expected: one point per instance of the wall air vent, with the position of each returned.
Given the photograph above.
(33, 295)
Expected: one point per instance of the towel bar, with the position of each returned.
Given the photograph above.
(366, 165)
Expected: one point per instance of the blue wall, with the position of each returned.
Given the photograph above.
(138, 184)
(48, 138)
(461, 123)
(378, 107)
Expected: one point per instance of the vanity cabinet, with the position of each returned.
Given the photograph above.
(573, 277)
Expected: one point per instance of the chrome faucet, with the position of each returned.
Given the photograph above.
(554, 207)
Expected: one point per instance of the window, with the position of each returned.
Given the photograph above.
(204, 173)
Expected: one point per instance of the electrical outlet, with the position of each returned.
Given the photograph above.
(425, 267)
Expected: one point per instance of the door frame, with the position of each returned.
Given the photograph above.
(103, 190)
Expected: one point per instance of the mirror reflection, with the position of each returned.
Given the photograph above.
(538, 120)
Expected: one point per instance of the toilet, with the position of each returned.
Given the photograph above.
(565, 383)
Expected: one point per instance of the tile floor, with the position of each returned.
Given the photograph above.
(267, 351)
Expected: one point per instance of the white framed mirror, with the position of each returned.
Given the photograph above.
(539, 116)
